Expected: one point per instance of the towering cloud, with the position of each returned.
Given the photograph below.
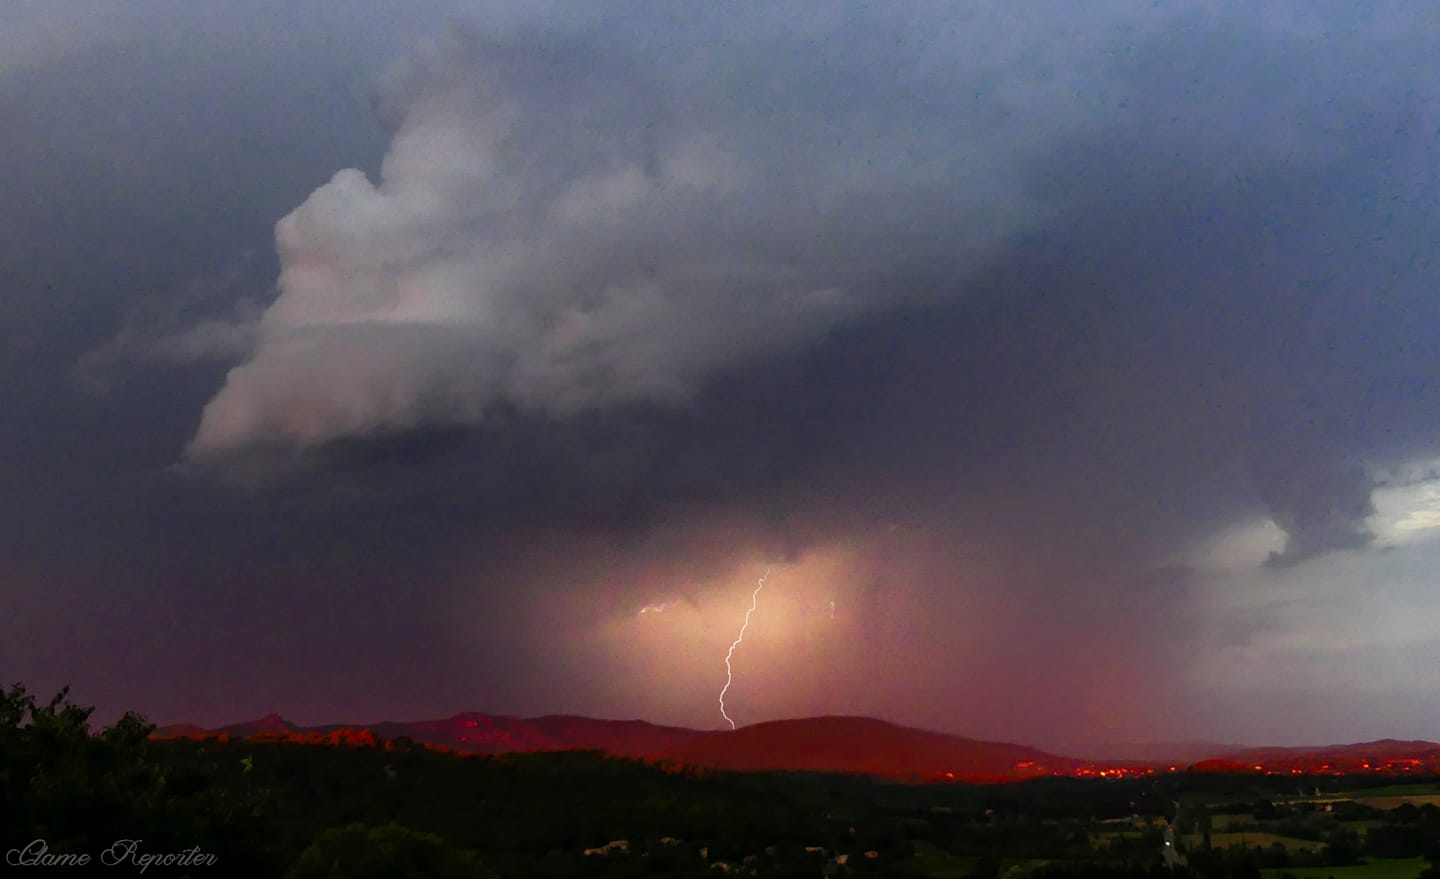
(582, 212)
(566, 221)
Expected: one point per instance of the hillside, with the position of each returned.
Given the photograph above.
(830, 744)
(868, 746)
(834, 744)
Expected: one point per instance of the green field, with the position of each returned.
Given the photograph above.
(1397, 802)
(1104, 838)
(1250, 840)
(1377, 868)
(1396, 790)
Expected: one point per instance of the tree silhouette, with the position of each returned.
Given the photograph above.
(387, 852)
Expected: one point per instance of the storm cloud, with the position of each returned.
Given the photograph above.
(579, 217)
(575, 216)
(1082, 357)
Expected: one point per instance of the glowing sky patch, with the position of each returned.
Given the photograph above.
(1420, 520)
(1407, 503)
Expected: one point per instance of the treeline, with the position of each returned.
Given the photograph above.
(308, 811)
(385, 809)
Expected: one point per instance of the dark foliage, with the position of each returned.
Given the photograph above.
(400, 809)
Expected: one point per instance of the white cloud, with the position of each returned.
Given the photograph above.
(582, 211)
(1333, 631)
(563, 229)
(1240, 548)
(1407, 503)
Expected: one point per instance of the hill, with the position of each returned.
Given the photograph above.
(832, 744)
(491, 734)
(868, 746)
(829, 744)
(1383, 755)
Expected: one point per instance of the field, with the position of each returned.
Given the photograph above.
(1250, 840)
(1376, 868)
(1396, 790)
(1396, 802)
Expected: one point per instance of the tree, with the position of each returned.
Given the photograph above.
(985, 868)
(59, 782)
(391, 851)
(1432, 856)
(1342, 848)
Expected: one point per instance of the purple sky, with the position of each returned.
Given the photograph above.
(1074, 371)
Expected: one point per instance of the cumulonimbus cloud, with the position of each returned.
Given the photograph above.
(560, 225)
(580, 214)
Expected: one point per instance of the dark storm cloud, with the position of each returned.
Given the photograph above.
(574, 218)
(1054, 292)
(572, 222)
(1321, 505)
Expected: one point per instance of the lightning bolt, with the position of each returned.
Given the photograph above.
(729, 673)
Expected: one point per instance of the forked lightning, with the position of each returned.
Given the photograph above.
(729, 673)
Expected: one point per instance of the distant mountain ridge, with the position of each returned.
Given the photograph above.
(1382, 754)
(479, 733)
(1158, 753)
(860, 745)
(867, 746)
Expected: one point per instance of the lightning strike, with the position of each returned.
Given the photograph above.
(832, 610)
(654, 608)
(729, 673)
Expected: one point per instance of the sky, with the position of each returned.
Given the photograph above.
(1072, 368)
